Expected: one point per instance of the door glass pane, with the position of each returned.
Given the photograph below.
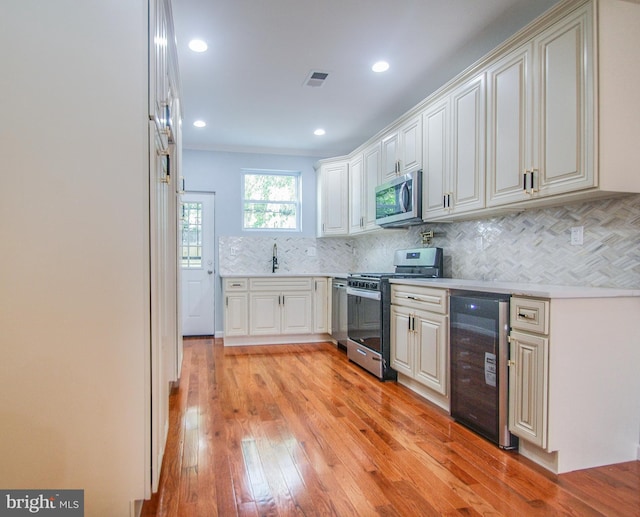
(191, 235)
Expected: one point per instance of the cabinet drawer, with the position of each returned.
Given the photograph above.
(425, 298)
(530, 314)
(235, 284)
(290, 283)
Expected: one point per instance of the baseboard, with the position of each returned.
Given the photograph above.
(287, 339)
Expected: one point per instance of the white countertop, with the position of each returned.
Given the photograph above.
(517, 288)
(282, 275)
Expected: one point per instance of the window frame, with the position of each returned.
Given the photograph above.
(298, 201)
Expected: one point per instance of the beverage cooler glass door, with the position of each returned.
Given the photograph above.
(479, 355)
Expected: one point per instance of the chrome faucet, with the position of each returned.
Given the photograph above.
(274, 259)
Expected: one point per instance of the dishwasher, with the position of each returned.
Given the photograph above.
(339, 312)
(479, 329)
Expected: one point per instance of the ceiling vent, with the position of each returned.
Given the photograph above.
(316, 79)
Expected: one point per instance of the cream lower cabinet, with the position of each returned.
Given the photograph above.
(236, 307)
(420, 346)
(529, 369)
(267, 309)
(420, 337)
(528, 392)
(574, 389)
(321, 308)
(280, 312)
(280, 306)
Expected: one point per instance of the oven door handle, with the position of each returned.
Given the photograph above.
(371, 295)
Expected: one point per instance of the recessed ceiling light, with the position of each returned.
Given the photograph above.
(200, 123)
(380, 66)
(319, 132)
(197, 45)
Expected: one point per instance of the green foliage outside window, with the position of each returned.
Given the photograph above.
(271, 200)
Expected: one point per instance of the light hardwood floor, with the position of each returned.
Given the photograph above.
(298, 430)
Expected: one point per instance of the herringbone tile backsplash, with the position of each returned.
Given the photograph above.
(532, 246)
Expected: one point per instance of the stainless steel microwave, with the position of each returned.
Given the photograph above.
(399, 201)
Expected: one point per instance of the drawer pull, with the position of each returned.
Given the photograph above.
(361, 352)
(527, 316)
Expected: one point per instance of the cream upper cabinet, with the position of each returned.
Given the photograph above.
(436, 144)
(364, 177)
(467, 146)
(372, 178)
(402, 149)
(390, 149)
(540, 123)
(333, 199)
(550, 116)
(564, 107)
(509, 126)
(454, 151)
(356, 191)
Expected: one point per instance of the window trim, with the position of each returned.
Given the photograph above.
(273, 172)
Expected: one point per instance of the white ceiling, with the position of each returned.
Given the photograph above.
(248, 86)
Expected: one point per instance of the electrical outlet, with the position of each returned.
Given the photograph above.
(577, 235)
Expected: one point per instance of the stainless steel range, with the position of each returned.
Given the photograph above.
(369, 308)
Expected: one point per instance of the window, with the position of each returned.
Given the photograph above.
(191, 235)
(271, 200)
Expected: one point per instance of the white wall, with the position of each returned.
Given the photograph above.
(74, 303)
(221, 172)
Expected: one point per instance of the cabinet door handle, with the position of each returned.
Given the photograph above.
(534, 189)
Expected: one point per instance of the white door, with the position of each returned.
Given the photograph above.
(197, 264)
